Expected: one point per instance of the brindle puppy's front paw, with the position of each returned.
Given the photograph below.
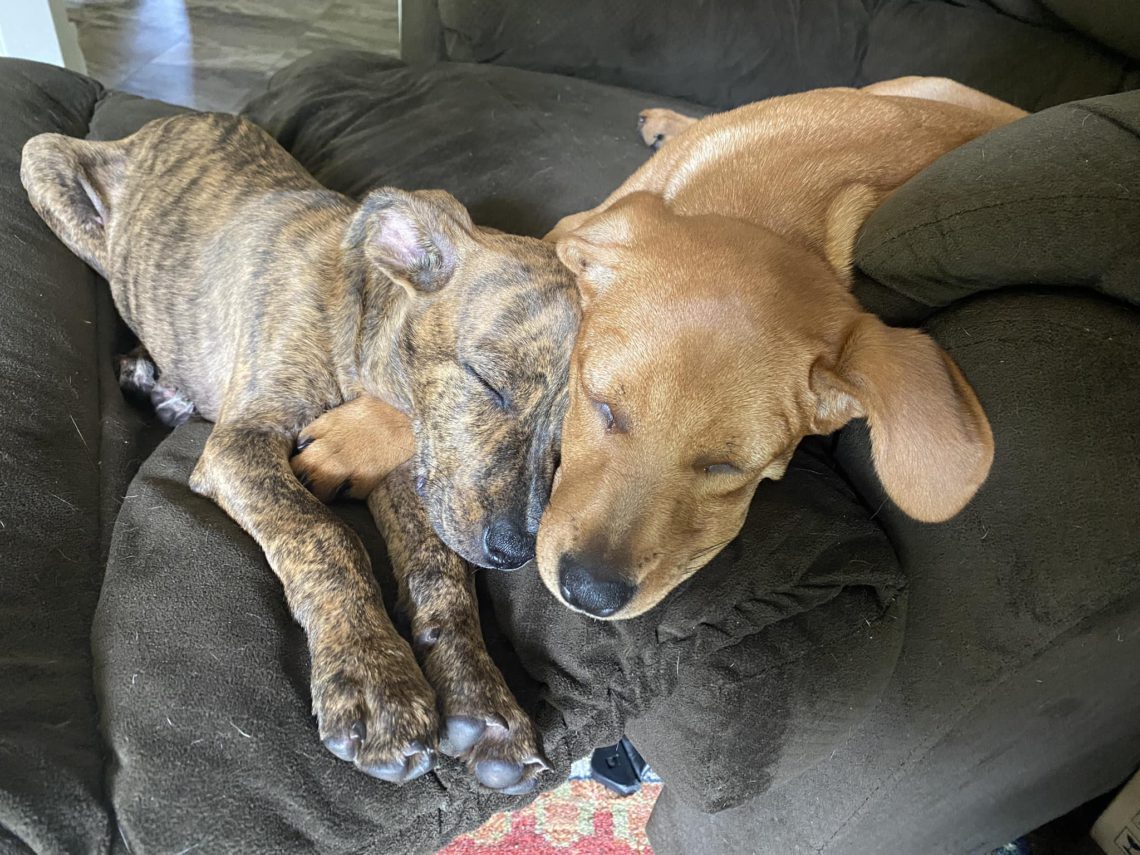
(375, 709)
(491, 733)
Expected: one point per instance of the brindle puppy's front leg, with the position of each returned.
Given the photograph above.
(373, 705)
(483, 723)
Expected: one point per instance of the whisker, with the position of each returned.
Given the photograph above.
(702, 552)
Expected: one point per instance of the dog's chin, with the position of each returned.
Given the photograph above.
(466, 545)
(463, 546)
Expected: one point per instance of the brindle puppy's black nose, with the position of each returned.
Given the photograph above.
(594, 590)
(507, 546)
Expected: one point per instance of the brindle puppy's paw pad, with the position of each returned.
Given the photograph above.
(137, 373)
(417, 760)
(138, 376)
(381, 720)
(461, 732)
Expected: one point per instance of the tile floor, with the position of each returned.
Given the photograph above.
(209, 54)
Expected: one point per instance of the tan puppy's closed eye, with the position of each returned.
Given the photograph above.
(931, 440)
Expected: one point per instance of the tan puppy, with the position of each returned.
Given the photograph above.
(719, 330)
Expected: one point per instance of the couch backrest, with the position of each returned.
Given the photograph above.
(723, 53)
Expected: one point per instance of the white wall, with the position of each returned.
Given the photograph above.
(39, 30)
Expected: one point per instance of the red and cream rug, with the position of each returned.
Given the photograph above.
(581, 816)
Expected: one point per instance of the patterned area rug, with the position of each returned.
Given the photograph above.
(584, 818)
(581, 816)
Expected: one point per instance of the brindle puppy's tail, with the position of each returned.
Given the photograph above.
(62, 176)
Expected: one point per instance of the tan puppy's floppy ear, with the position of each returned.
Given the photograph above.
(413, 237)
(591, 251)
(930, 438)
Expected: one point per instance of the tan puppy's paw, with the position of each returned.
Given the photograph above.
(658, 126)
(350, 449)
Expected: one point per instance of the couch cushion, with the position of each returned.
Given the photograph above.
(520, 149)
(1053, 199)
(204, 687)
(61, 473)
(1113, 22)
(724, 53)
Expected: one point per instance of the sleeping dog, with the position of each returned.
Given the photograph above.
(730, 252)
(719, 329)
(264, 300)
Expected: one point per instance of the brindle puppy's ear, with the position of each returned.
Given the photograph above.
(415, 238)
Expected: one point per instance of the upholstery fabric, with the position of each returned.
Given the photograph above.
(725, 53)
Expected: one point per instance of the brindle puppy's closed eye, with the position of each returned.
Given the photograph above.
(500, 399)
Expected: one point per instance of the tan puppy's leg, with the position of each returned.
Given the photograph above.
(373, 706)
(350, 449)
(950, 92)
(482, 722)
(657, 126)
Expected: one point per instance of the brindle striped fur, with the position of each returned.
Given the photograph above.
(267, 299)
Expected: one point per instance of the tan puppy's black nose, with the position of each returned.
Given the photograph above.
(507, 546)
(592, 588)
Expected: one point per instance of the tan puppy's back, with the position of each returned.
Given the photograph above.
(811, 165)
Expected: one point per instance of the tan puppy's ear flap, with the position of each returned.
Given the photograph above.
(576, 254)
(413, 237)
(592, 264)
(592, 248)
(930, 438)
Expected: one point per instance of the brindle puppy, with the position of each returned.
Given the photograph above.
(266, 299)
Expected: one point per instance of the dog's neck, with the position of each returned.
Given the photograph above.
(366, 328)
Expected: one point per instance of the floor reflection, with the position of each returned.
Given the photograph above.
(210, 54)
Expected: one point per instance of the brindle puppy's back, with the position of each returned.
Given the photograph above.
(176, 251)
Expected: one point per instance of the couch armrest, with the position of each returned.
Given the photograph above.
(54, 458)
(1051, 199)
(421, 34)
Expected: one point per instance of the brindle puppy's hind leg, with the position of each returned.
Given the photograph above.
(137, 373)
(483, 723)
(67, 183)
(139, 376)
(373, 706)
